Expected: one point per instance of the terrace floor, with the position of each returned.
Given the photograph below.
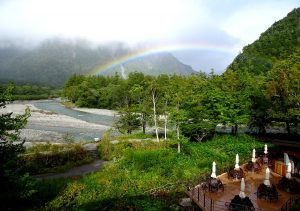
(216, 201)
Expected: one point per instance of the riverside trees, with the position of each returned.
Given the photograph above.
(193, 105)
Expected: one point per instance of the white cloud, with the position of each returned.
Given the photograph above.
(254, 18)
(230, 24)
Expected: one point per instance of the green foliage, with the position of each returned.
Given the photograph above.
(148, 175)
(15, 185)
(48, 158)
(31, 92)
(274, 45)
(272, 61)
(67, 200)
(45, 190)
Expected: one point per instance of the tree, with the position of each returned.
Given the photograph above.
(127, 121)
(14, 184)
(234, 103)
(283, 91)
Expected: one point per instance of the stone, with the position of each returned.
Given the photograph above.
(185, 202)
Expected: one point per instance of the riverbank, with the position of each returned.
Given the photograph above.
(98, 111)
(49, 126)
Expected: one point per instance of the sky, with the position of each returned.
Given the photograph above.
(205, 34)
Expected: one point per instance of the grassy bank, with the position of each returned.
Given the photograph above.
(147, 175)
(51, 158)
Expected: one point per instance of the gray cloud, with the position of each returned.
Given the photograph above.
(222, 27)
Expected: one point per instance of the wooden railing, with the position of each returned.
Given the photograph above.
(205, 203)
(288, 205)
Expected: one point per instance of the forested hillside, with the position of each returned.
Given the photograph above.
(280, 44)
(273, 64)
(53, 61)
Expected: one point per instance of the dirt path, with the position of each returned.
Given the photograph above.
(77, 171)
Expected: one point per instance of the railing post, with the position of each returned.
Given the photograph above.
(211, 205)
(204, 199)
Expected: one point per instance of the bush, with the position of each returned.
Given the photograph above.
(53, 158)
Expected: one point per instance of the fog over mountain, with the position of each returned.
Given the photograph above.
(203, 34)
(52, 61)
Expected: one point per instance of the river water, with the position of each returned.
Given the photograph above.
(72, 132)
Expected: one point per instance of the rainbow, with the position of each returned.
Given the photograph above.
(156, 49)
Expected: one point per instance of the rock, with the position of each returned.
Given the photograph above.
(186, 202)
(90, 146)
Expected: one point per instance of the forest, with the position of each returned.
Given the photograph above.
(196, 104)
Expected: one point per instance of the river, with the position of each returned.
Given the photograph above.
(66, 130)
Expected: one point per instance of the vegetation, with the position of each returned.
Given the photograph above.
(280, 43)
(31, 92)
(45, 190)
(15, 185)
(261, 88)
(194, 105)
(272, 62)
(148, 175)
(49, 158)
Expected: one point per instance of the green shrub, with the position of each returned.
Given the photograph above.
(67, 200)
(53, 158)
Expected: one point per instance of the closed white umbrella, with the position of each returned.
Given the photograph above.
(242, 192)
(289, 170)
(267, 177)
(266, 149)
(236, 167)
(213, 174)
(253, 156)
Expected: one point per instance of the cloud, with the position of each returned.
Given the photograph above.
(227, 25)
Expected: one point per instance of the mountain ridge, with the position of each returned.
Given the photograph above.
(278, 43)
(54, 60)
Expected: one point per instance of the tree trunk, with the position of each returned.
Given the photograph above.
(178, 144)
(154, 115)
(143, 123)
(288, 129)
(177, 131)
(234, 129)
(166, 121)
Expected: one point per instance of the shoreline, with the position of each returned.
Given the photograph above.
(48, 126)
(98, 111)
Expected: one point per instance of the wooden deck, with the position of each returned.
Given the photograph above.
(217, 201)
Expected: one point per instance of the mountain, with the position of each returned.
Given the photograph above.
(53, 61)
(153, 64)
(280, 43)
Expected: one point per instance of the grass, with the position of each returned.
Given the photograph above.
(45, 190)
(68, 104)
(50, 158)
(149, 175)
